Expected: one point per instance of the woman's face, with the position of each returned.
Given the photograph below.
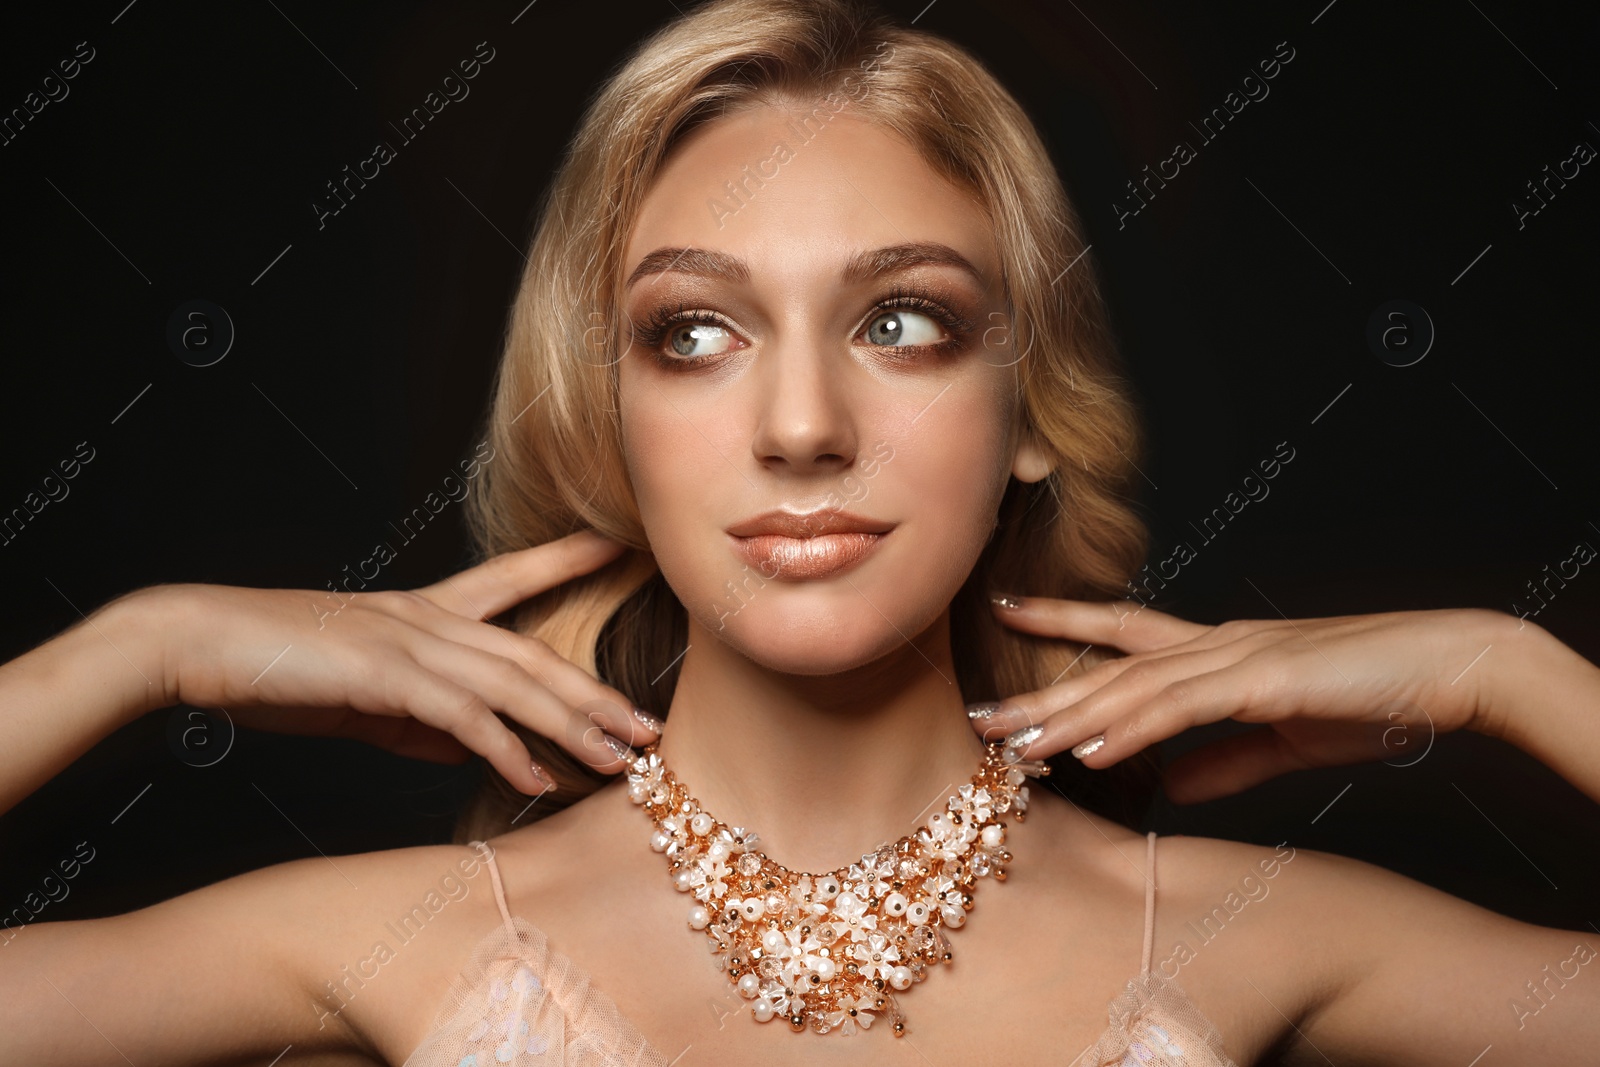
(834, 338)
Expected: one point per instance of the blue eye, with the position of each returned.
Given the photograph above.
(900, 326)
(683, 337)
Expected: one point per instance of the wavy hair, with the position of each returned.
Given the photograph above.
(553, 420)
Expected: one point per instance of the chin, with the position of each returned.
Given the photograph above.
(819, 638)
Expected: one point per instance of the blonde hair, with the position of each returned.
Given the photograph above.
(558, 462)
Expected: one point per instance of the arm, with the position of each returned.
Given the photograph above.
(1545, 699)
(60, 698)
(246, 970)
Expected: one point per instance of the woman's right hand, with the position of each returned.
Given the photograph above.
(415, 672)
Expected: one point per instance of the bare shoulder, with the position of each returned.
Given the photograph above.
(386, 934)
(1266, 936)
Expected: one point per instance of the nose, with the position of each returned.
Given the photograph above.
(806, 419)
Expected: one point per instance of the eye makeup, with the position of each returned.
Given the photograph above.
(652, 329)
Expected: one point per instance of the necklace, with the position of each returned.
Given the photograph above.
(830, 951)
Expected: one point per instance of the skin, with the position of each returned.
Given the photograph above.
(819, 713)
(849, 670)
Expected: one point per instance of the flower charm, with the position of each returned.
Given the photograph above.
(876, 957)
(708, 878)
(829, 951)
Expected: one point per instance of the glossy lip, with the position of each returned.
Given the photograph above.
(808, 524)
(815, 544)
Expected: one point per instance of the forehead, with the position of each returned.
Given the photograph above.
(794, 191)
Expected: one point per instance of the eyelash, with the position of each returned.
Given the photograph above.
(652, 330)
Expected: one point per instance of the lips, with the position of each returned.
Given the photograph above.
(808, 524)
(817, 544)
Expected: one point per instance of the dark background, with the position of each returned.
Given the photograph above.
(1382, 166)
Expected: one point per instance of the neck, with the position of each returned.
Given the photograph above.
(822, 767)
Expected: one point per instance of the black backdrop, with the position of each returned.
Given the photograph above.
(1386, 163)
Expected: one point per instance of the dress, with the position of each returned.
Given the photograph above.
(518, 1001)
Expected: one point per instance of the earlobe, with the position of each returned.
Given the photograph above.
(1031, 464)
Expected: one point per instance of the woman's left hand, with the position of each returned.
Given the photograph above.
(1331, 691)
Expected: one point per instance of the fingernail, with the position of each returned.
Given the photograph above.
(984, 710)
(649, 720)
(1021, 739)
(544, 777)
(1092, 745)
(620, 748)
(1005, 600)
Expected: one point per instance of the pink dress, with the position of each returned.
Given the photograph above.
(518, 1001)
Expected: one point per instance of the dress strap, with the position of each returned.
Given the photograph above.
(1149, 900)
(499, 886)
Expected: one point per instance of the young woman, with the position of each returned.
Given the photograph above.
(804, 370)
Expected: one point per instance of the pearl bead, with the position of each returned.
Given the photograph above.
(895, 904)
(699, 917)
(826, 888)
(660, 840)
(916, 913)
(761, 1009)
(751, 908)
(826, 969)
(701, 824)
(952, 914)
(638, 792)
(718, 851)
(772, 940)
(994, 836)
(900, 977)
(750, 985)
(680, 879)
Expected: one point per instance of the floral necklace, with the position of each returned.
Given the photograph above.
(829, 951)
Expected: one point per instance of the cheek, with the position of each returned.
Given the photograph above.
(680, 482)
(958, 464)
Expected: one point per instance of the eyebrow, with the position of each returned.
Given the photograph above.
(860, 267)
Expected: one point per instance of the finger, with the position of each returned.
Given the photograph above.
(1174, 708)
(1231, 765)
(505, 686)
(1024, 709)
(399, 685)
(486, 590)
(1111, 697)
(600, 704)
(1122, 624)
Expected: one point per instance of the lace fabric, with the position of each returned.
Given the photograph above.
(519, 1001)
(1155, 1024)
